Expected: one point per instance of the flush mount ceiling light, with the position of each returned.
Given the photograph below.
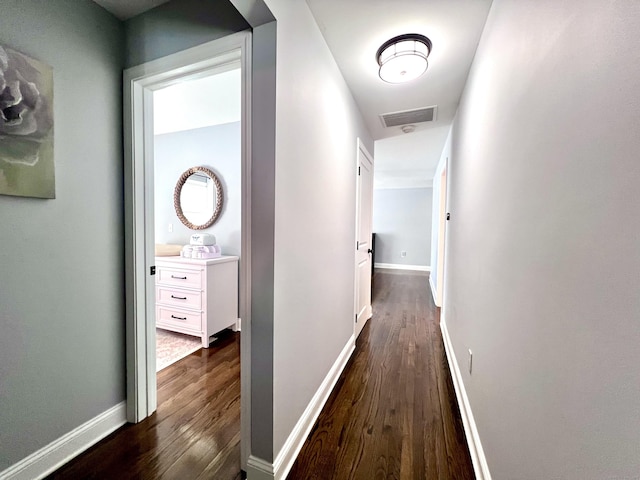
(403, 58)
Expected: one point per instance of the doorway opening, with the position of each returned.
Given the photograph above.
(201, 293)
(196, 126)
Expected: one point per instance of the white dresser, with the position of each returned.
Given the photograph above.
(196, 297)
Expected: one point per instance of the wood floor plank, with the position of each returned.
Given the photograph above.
(393, 413)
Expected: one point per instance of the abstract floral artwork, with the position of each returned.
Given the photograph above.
(26, 126)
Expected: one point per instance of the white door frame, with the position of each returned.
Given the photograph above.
(139, 84)
(442, 232)
(369, 312)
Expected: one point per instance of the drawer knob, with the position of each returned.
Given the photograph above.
(178, 298)
(179, 278)
(178, 318)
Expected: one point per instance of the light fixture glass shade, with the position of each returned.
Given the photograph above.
(403, 58)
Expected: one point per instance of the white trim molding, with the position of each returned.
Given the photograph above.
(398, 266)
(238, 326)
(291, 448)
(258, 469)
(433, 291)
(478, 458)
(51, 457)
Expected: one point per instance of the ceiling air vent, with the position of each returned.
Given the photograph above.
(418, 115)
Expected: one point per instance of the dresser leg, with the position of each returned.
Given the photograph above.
(205, 342)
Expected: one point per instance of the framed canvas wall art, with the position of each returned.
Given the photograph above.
(26, 126)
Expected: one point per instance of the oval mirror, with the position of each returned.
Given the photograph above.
(198, 198)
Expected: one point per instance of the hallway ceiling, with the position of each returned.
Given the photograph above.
(125, 9)
(355, 29)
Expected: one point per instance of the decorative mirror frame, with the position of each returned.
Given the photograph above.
(219, 197)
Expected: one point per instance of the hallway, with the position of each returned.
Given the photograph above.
(393, 413)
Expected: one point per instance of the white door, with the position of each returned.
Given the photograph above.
(364, 219)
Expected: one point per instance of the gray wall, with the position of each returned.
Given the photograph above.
(62, 354)
(177, 25)
(263, 172)
(216, 147)
(402, 222)
(543, 257)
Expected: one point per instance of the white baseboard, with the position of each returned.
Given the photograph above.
(291, 448)
(46, 460)
(470, 429)
(258, 469)
(397, 266)
(433, 291)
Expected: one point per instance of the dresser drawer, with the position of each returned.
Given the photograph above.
(179, 298)
(179, 277)
(178, 318)
(196, 296)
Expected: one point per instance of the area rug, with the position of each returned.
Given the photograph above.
(173, 346)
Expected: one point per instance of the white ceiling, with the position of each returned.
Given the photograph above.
(203, 102)
(409, 160)
(124, 9)
(354, 30)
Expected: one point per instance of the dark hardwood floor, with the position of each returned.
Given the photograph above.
(195, 433)
(393, 413)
